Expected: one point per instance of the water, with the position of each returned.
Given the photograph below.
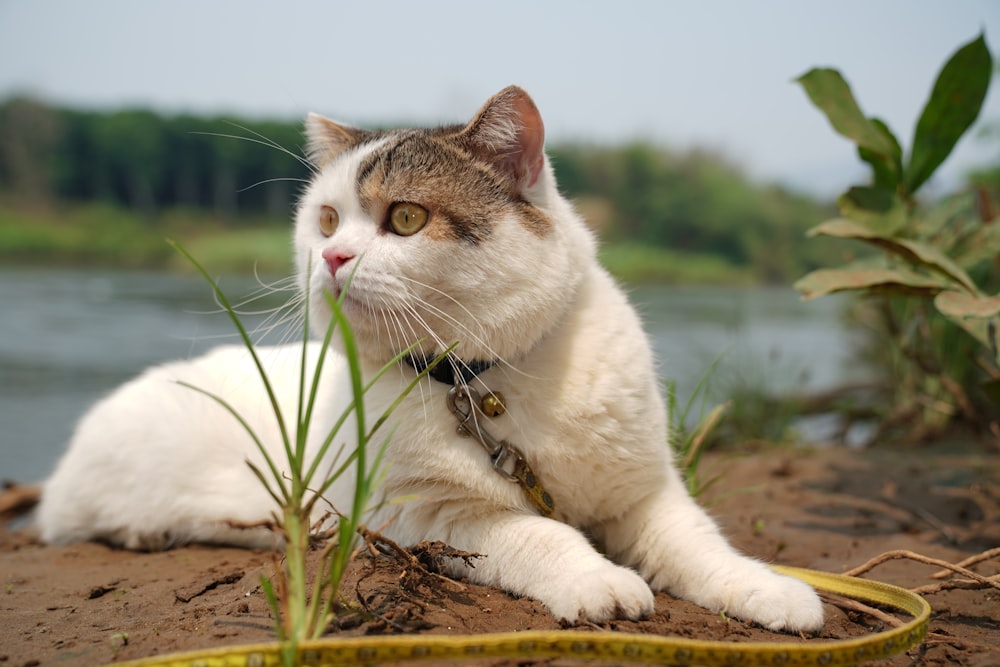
(67, 337)
(762, 336)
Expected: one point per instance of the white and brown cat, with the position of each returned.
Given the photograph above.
(448, 234)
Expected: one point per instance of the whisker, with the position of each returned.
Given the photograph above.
(263, 141)
(273, 180)
(441, 344)
(478, 339)
(434, 310)
(288, 312)
(264, 292)
(428, 380)
(289, 318)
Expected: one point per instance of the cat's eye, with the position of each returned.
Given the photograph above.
(328, 220)
(407, 219)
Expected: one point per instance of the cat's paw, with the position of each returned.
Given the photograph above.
(778, 602)
(602, 594)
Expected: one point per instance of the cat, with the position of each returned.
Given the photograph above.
(444, 235)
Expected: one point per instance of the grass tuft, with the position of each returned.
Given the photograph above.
(302, 611)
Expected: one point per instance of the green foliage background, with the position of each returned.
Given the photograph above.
(105, 187)
(932, 288)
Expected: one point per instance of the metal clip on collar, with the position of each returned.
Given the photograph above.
(466, 404)
(464, 401)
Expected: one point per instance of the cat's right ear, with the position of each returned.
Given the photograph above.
(325, 139)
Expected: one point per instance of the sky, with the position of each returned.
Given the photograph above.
(716, 74)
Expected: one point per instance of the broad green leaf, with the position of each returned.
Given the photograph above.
(963, 304)
(887, 169)
(931, 257)
(953, 106)
(830, 93)
(828, 281)
(876, 208)
(914, 252)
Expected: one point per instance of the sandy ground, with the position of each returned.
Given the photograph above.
(831, 510)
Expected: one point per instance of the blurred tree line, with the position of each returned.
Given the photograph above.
(695, 202)
(692, 202)
(143, 160)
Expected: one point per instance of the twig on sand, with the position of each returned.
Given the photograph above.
(855, 605)
(971, 560)
(955, 584)
(972, 579)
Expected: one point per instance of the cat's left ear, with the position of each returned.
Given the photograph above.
(325, 139)
(508, 131)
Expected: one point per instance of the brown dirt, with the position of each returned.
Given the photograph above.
(832, 509)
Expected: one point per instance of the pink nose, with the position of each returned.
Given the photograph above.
(336, 259)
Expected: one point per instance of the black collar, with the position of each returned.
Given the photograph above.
(452, 370)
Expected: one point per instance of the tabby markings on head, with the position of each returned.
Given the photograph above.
(464, 195)
(466, 177)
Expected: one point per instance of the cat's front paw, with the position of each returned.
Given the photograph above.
(778, 602)
(602, 594)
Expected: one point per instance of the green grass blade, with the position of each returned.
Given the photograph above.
(357, 390)
(321, 452)
(247, 341)
(303, 408)
(700, 436)
(702, 387)
(313, 392)
(382, 418)
(317, 375)
(278, 477)
(259, 474)
(411, 386)
(272, 601)
(306, 419)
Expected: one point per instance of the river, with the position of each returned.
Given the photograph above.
(67, 337)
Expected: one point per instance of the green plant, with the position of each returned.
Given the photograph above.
(690, 444)
(936, 292)
(762, 411)
(303, 612)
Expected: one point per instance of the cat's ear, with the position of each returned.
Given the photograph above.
(325, 139)
(508, 131)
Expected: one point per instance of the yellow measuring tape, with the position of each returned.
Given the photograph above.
(605, 646)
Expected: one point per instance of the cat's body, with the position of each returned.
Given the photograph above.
(456, 234)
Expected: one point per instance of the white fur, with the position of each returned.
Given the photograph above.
(156, 463)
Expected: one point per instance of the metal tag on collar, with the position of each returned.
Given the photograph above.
(465, 402)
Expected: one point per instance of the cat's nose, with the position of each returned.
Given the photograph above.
(336, 258)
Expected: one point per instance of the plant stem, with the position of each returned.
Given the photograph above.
(296, 624)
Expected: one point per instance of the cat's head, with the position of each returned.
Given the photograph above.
(453, 234)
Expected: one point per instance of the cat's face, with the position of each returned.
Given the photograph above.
(448, 235)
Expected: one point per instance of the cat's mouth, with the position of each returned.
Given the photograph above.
(338, 290)
(349, 302)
